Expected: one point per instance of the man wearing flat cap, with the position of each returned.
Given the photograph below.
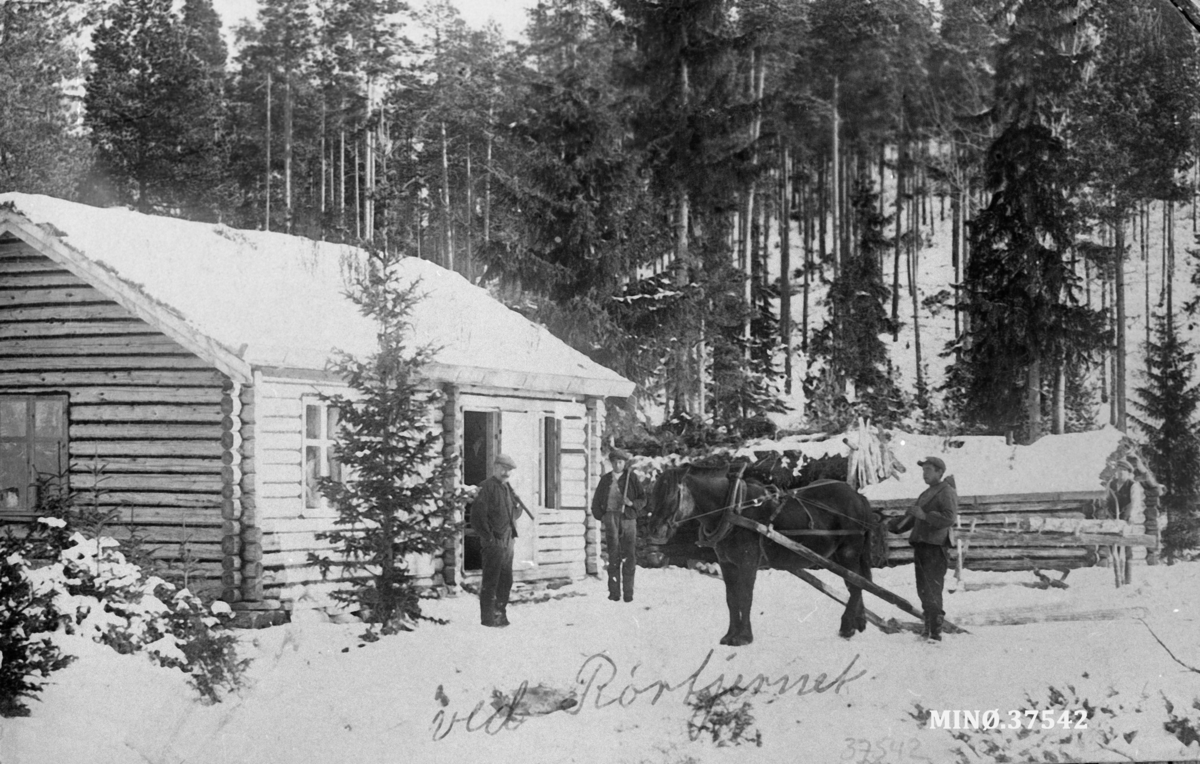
(494, 516)
(931, 519)
(616, 504)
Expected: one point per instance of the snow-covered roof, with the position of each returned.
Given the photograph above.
(259, 300)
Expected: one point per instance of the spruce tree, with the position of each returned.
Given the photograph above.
(851, 342)
(40, 150)
(1024, 316)
(153, 107)
(1167, 405)
(396, 501)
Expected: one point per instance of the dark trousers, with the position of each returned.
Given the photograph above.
(620, 534)
(497, 580)
(930, 563)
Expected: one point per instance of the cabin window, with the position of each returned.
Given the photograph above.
(320, 451)
(551, 462)
(33, 447)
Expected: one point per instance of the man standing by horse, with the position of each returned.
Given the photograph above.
(931, 519)
(618, 500)
(494, 516)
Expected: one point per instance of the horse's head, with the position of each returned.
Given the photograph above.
(669, 504)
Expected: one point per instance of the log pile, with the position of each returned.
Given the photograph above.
(1048, 531)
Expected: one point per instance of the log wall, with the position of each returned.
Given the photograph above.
(147, 418)
(1000, 511)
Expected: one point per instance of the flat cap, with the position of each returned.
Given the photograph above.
(616, 454)
(936, 462)
(506, 460)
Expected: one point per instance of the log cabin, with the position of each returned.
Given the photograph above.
(172, 372)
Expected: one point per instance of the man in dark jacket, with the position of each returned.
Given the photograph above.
(616, 504)
(932, 520)
(494, 516)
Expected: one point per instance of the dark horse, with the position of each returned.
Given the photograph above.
(829, 517)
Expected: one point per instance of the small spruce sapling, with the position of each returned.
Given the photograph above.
(397, 501)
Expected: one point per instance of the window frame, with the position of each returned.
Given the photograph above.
(326, 444)
(30, 439)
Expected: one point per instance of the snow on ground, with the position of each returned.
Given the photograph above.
(318, 693)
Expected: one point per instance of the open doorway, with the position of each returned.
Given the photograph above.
(481, 431)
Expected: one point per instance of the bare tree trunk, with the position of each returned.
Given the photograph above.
(898, 240)
(287, 152)
(1033, 401)
(913, 264)
(357, 191)
(1119, 376)
(837, 185)
(468, 254)
(447, 234)
(1059, 425)
(785, 267)
(1145, 215)
(806, 200)
(267, 206)
(487, 181)
(956, 262)
(321, 205)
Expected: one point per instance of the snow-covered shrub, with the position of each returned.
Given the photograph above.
(91, 589)
(27, 612)
(114, 602)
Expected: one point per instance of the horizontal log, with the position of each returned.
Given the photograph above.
(548, 570)
(281, 491)
(26, 279)
(146, 412)
(277, 457)
(552, 557)
(1040, 614)
(139, 516)
(983, 512)
(1010, 565)
(200, 551)
(145, 431)
(22, 263)
(560, 530)
(120, 345)
(70, 329)
(69, 295)
(281, 473)
(50, 363)
(147, 464)
(573, 516)
(120, 481)
(100, 311)
(165, 395)
(210, 501)
(969, 502)
(125, 377)
(84, 451)
(559, 543)
(984, 540)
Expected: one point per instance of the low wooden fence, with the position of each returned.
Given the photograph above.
(1049, 531)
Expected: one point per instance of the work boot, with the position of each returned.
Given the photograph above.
(935, 628)
(487, 614)
(925, 628)
(502, 615)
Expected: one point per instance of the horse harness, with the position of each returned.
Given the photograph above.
(735, 501)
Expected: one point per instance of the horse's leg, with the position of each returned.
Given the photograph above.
(852, 556)
(739, 563)
(729, 573)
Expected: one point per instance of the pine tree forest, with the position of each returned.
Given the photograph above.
(735, 203)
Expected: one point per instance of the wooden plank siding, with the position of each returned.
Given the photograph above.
(145, 416)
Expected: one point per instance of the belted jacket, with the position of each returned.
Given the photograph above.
(933, 516)
(630, 488)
